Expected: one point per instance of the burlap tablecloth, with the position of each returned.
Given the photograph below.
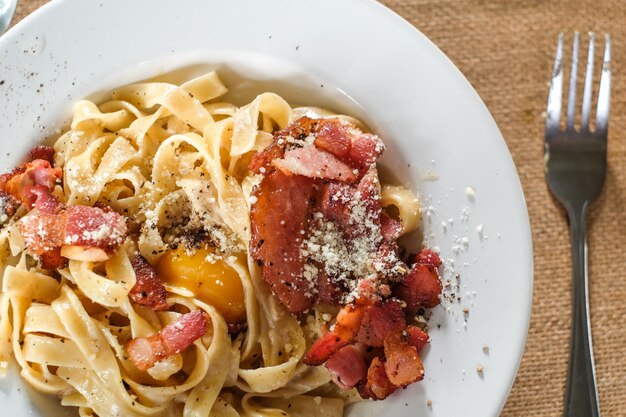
(505, 48)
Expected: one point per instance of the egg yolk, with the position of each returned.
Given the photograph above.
(215, 283)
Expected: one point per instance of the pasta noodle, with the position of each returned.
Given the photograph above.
(165, 157)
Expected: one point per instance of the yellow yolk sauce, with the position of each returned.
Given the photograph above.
(211, 281)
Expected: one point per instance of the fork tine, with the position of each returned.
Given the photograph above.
(555, 95)
(604, 91)
(571, 96)
(586, 105)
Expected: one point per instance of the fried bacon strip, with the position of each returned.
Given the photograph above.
(377, 385)
(347, 367)
(417, 337)
(300, 129)
(351, 147)
(93, 228)
(379, 320)
(314, 163)
(403, 364)
(343, 332)
(44, 201)
(20, 182)
(358, 149)
(148, 290)
(421, 287)
(276, 237)
(174, 338)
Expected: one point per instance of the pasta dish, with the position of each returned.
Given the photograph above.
(174, 254)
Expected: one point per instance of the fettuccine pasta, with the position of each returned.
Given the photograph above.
(173, 161)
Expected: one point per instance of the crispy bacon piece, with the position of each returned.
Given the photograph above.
(172, 339)
(92, 234)
(356, 149)
(420, 287)
(369, 193)
(42, 152)
(342, 333)
(417, 337)
(54, 231)
(378, 385)
(22, 179)
(334, 138)
(365, 151)
(45, 202)
(262, 161)
(379, 320)
(391, 229)
(42, 232)
(347, 367)
(299, 129)
(94, 227)
(312, 162)
(359, 150)
(278, 218)
(148, 289)
(75, 232)
(428, 257)
(403, 364)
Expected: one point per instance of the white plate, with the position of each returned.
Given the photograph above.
(355, 56)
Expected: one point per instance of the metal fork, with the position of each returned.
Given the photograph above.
(575, 171)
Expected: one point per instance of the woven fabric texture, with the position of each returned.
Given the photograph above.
(505, 48)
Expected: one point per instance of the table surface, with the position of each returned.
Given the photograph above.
(505, 48)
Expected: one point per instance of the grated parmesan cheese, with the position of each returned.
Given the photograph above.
(349, 262)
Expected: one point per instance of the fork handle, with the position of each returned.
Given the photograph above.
(581, 396)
